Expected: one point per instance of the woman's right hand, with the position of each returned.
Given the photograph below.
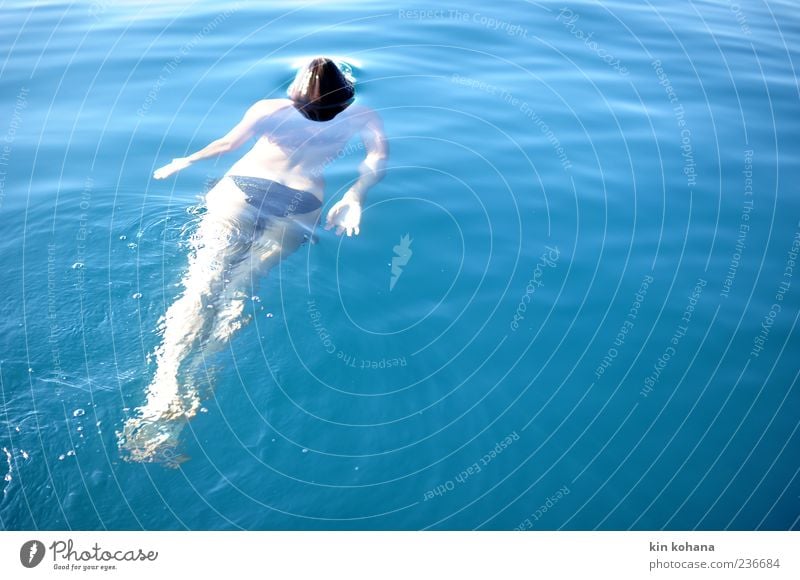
(172, 167)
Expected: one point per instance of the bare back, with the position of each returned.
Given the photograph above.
(293, 150)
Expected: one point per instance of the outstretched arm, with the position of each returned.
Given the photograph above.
(235, 138)
(346, 214)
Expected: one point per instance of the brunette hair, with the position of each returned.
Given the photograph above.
(320, 91)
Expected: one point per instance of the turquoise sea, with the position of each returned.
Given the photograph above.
(591, 321)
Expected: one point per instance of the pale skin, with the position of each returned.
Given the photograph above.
(217, 285)
(293, 150)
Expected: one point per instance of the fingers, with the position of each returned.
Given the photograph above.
(353, 231)
(161, 172)
(349, 229)
(332, 214)
(344, 222)
(331, 221)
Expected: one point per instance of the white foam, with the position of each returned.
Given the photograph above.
(8, 477)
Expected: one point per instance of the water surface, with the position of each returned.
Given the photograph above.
(595, 328)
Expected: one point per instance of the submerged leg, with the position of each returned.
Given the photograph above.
(273, 241)
(231, 251)
(221, 241)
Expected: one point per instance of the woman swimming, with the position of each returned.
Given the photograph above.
(261, 211)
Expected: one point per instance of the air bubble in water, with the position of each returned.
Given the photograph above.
(78, 413)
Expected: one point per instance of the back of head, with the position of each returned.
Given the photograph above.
(320, 91)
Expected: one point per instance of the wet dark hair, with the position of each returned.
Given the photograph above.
(320, 91)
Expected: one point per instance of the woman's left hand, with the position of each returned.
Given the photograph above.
(345, 215)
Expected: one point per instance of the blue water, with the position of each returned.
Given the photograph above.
(596, 328)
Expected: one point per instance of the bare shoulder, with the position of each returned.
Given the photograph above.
(364, 116)
(268, 106)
